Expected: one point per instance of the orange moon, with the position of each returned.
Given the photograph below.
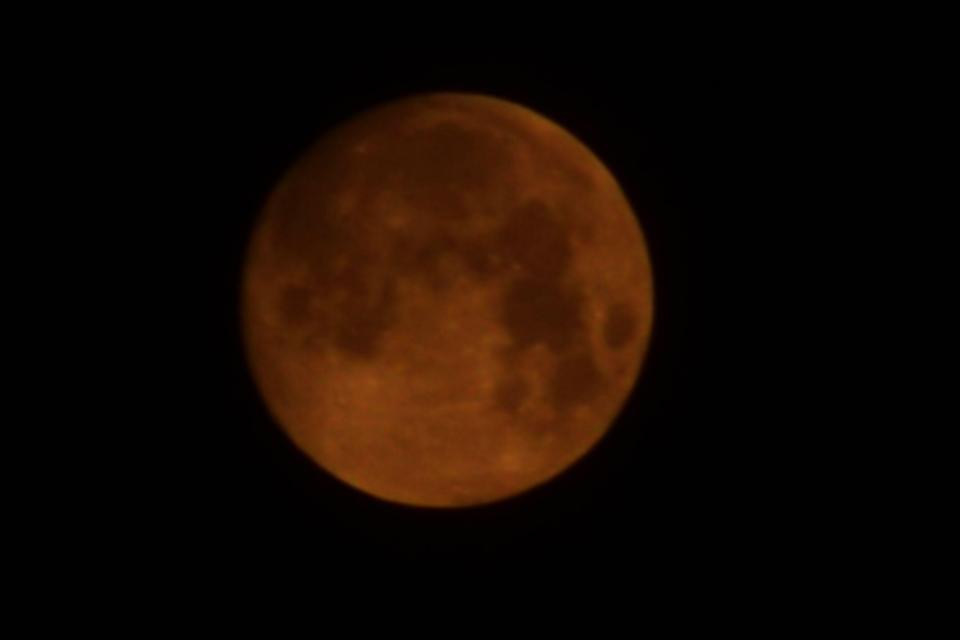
(446, 300)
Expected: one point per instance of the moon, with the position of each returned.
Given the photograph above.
(446, 300)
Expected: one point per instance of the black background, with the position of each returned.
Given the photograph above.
(691, 475)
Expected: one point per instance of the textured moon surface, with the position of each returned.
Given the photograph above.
(446, 301)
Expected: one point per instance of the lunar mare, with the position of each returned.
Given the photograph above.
(446, 300)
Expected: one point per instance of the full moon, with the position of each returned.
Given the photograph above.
(446, 301)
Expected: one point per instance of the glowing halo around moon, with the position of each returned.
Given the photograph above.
(446, 301)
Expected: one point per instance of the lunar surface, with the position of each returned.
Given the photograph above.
(446, 301)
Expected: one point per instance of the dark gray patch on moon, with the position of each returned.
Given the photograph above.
(295, 305)
(435, 168)
(539, 244)
(480, 257)
(576, 380)
(620, 325)
(543, 305)
(361, 323)
(511, 392)
(542, 312)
